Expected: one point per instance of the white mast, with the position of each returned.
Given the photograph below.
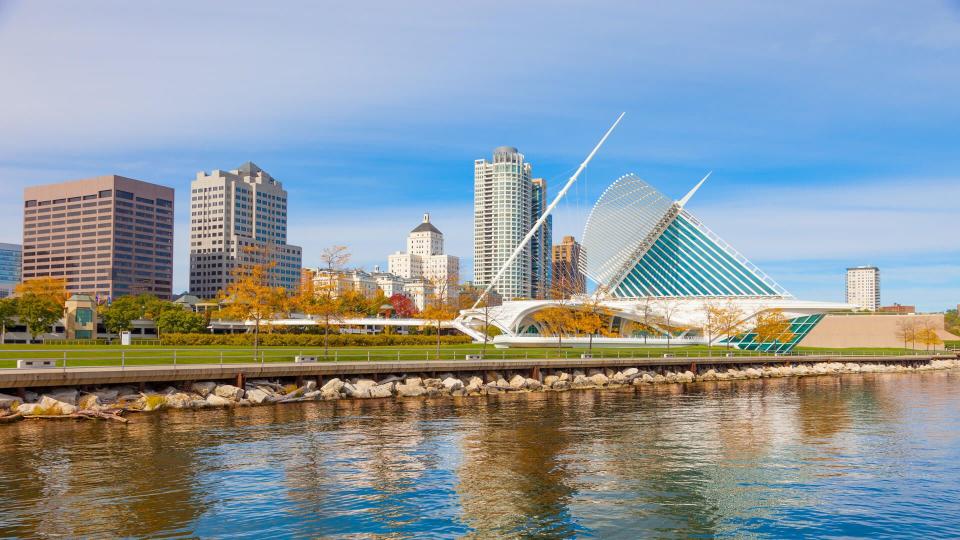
(543, 217)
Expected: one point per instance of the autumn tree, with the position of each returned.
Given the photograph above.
(907, 329)
(438, 306)
(403, 306)
(667, 309)
(592, 315)
(40, 303)
(334, 257)
(772, 327)
(54, 289)
(721, 319)
(250, 297)
(321, 304)
(928, 336)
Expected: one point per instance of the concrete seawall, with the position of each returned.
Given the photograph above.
(113, 375)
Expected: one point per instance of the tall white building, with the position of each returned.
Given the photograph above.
(506, 203)
(863, 287)
(425, 261)
(239, 217)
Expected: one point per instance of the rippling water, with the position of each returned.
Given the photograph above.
(858, 455)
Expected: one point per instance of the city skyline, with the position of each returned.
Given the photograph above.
(840, 142)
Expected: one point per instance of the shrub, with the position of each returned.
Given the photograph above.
(307, 340)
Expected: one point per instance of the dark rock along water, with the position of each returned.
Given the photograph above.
(834, 456)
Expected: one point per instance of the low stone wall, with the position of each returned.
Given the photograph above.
(113, 401)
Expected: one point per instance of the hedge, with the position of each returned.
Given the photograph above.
(309, 340)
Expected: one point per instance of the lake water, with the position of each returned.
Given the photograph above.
(851, 456)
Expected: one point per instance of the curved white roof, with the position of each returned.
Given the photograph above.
(625, 216)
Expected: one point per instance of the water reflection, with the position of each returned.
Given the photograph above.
(855, 455)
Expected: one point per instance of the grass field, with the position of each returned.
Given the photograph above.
(108, 355)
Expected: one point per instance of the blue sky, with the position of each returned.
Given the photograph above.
(831, 127)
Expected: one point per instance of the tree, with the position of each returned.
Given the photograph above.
(120, 314)
(335, 257)
(250, 297)
(38, 312)
(54, 289)
(927, 335)
(438, 307)
(772, 327)
(721, 320)
(591, 316)
(320, 303)
(179, 321)
(667, 309)
(555, 321)
(907, 329)
(403, 306)
(8, 310)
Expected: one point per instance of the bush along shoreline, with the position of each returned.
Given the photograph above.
(112, 403)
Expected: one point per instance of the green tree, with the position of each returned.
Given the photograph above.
(180, 321)
(8, 310)
(120, 314)
(38, 312)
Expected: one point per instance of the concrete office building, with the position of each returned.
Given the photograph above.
(11, 259)
(507, 202)
(863, 287)
(107, 236)
(238, 218)
(568, 266)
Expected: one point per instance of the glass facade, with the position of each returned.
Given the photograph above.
(686, 261)
(11, 256)
(799, 328)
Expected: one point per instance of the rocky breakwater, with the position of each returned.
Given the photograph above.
(113, 402)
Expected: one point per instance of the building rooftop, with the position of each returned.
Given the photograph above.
(426, 226)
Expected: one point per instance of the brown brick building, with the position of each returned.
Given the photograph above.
(108, 236)
(568, 263)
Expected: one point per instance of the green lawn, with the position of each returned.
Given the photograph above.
(105, 355)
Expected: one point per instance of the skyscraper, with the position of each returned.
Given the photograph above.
(11, 259)
(236, 218)
(106, 236)
(504, 210)
(863, 287)
(568, 265)
(541, 253)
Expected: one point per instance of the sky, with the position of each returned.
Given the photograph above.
(832, 128)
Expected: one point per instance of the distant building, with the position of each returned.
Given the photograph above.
(568, 265)
(426, 261)
(107, 236)
(897, 308)
(541, 256)
(337, 282)
(11, 259)
(504, 210)
(863, 287)
(239, 218)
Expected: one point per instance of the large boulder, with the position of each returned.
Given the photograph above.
(550, 380)
(9, 402)
(452, 384)
(599, 379)
(27, 409)
(89, 402)
(229, 391)
(258, 396)
(364, 384)
(64, 395)
(382, 390)
(107, 395)
(214, 400)
(203, 388)
(630, 372)
(352, 390)
(180, 400)
(581, 381)
(52, 406)
(410, 390)
(517, 382)
(433, 383)
(532, 384)
(414, 381)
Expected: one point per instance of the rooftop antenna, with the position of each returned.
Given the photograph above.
(543, 217)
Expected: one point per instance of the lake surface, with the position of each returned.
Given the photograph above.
(852, 456)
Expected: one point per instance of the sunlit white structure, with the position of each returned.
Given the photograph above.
(657, 267)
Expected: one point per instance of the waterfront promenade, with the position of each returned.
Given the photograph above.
(136, 374)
